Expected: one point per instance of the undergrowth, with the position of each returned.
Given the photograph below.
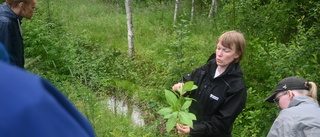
(81, 47)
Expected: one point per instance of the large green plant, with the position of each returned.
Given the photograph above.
(178, 112)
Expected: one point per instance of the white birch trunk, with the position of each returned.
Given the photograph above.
(192, 10)
(213, 8)
(130, 28)
(176, 11)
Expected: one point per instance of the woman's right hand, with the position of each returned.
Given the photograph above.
(176, 86)
(185, 130)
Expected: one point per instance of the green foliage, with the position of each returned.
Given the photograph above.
(178, 112)
(179, 47)
(80, 46)
(256, 117)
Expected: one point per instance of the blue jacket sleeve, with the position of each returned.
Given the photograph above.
(69, 108)
(32, 107)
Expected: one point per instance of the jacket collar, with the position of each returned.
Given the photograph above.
(301, 99)
(232, 69)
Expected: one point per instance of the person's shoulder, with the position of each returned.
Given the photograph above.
(4, 19)
(211, 64)
(291, 113)
(6, 16)
(10, 72)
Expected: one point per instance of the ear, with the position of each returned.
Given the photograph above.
(237, 54)
(21, 4)
(19, 9)
(291, 94)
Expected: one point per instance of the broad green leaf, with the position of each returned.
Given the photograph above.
(185, 119)
(194, 87)
(187, 86)
(192, 116)
(186, 105)
(167, 116)
(165, 111)
(189, 99)
(171, 98)
(180, 91)
(172, 121)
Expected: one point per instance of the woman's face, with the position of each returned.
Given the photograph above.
(283, 99)
(224, 55)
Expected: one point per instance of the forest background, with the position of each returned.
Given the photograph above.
(81, 47)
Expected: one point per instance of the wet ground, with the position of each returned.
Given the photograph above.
(122, 107)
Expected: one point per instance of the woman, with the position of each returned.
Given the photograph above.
(300, 115)
(221, 93)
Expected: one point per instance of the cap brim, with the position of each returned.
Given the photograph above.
(271, 97)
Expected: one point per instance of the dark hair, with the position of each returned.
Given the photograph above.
(15, 3)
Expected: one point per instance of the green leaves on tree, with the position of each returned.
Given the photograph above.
(178, 112)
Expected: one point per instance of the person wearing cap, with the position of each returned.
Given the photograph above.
(221, 93)
(300, 112)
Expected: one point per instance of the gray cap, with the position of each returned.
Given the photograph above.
(289, 83)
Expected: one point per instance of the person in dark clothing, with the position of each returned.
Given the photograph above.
(11, 14)
(221, 93)
(32, 107)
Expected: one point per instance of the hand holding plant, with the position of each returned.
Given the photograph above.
(178, 112)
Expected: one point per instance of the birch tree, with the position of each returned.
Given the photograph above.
(176, 11)
(214, 7)
(192, 10)
(130, 28)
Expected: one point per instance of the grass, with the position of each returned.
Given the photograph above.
(106, 24)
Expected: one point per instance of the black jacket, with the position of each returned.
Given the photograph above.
(11, 35)
(218, 100)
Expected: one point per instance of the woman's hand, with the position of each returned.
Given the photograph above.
(185, 130)
(176, 86)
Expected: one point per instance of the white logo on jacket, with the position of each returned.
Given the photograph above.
(214, 97)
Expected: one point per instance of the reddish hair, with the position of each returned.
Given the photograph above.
(15, 3)
(234, 38)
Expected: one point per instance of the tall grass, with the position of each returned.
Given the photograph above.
(106, 23)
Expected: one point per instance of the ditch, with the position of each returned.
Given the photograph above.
(123, 107)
